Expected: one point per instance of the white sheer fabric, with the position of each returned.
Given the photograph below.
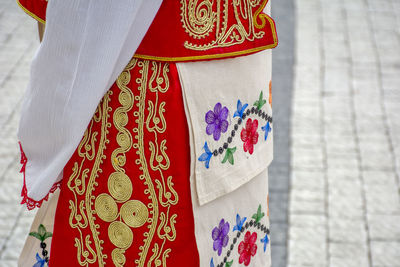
(86, 45)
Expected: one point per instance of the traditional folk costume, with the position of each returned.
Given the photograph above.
(161, 159)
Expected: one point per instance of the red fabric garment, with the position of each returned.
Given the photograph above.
(34, 8)
(139, 130)
(191, 31)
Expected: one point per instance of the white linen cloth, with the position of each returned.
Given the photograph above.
(234, 196)
(228, 81)
(86, 45)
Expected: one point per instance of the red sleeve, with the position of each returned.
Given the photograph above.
(34, 8)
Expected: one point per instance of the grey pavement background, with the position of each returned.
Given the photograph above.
(334, 182)
(279, 171)
(18, 42)
(344, 202)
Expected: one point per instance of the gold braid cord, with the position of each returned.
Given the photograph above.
(82, 182)
(154, 80)
(119, 213)
(200, 18)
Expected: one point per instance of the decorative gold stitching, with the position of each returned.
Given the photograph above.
(81, 215)
(200, 18)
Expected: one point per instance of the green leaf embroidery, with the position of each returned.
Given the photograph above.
(259, 215)
(229, 264)
(41, 234)
(229, 155)
(260, 102)
(36, 235)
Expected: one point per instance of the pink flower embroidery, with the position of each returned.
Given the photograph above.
(249, 135)
(247, 248)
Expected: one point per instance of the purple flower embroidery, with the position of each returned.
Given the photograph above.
(217, 121)
(220, 236)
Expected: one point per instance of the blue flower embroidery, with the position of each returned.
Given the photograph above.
(212, 263)
(40, 262)
(240, 109)
(265, 240)
(206, 156)
(239, 223)
(266, 129)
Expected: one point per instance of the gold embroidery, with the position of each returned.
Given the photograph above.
(134, 213)
(81, 215)
(201, 18)
(120, 186)
(106, 208)
(162, 221)
(120, 235)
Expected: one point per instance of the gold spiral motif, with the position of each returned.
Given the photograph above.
(120, 186)
(134, 213)
(118, 257)
(106, 207)
(120, 235)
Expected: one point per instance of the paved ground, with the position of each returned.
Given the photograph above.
(345, 135)
(18, 42)
(279, 171)
(335, 179)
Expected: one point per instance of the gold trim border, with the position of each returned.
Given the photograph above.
(216, 56)
(30, 13)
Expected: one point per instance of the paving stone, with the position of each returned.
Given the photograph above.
(385, 253)
(348, 254)
(384, 227)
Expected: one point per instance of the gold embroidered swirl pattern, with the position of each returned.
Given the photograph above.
(154, 123)
(133, 213)
(81, 215)
(200, 18)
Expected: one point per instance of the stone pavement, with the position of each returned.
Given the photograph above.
(345, 135)
(341, 205)
(18, 42)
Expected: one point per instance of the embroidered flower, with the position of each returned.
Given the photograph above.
(39, 261)
(220, 236)
(206, 156)
(249, 135)
(217, 121)
(266, 129)
(247, 248)
(265, 240)
(270, 93)
(239, 223)
(240, 109)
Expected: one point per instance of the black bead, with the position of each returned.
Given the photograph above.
(228, 253)
(47, 259)
(44, 253)
(248, 112)
(236, 127)
(258, 226)
(234, 240)
(267, 231)
(221, 150)
(259, 112)
(247, 224)
(42, 245)
(240, 121)
(225, 259)
(238, 234)
(251, 223)
(229, 139)
(231, 247)
(215, 152)
(252, 110)
(262, 227)
(225, 145)
(233, 133)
